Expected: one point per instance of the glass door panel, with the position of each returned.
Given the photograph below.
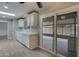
(48, 32)
(66, 36)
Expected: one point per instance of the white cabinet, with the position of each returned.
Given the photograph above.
(33, 41)
(32, 20)
(21, 23)
(29, 40)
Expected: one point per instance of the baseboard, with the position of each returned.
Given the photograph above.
(48, 51)
(56, 54)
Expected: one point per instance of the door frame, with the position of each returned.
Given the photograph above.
(75, 19)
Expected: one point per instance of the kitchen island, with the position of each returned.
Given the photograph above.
(28, 38)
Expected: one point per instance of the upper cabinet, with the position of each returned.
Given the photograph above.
(28, 20)
(21, 23)
(32, 20)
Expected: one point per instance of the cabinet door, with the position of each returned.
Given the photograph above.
(21, 23)
(28, 20)
(34, 19)
(33, 41)
(26, 41)
(19, 37)
(22, 38)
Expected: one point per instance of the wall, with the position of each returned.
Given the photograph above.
(62, 11)
(14, 28)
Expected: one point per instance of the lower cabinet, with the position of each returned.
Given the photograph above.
(31, 41)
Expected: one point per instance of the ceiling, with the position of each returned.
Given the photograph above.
(21, 10)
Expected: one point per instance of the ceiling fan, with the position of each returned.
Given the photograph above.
(38, 3)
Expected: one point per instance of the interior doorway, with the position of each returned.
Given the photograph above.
(3, 30)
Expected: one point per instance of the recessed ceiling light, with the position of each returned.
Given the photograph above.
(6, 7)
(6, 13)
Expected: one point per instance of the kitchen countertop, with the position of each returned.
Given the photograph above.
(28, 32)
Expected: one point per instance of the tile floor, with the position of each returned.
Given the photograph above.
(12, 48)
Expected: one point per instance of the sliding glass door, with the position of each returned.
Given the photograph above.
(48, 33)
(62, 38)
(66, 34)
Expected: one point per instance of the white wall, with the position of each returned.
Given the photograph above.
(14, 28)
(62, 11)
